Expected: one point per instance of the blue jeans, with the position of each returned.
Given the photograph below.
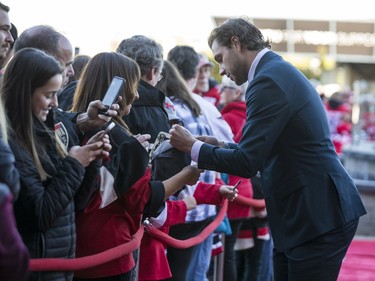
(200, 261)
(255, 264)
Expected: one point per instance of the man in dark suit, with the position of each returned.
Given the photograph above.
(313, 205)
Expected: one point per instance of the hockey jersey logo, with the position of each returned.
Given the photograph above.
(62, 133)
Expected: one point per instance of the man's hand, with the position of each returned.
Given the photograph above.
(181, 138)
(211, 140)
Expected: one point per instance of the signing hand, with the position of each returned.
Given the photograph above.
(181, 138)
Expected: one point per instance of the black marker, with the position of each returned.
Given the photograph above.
(235, 186)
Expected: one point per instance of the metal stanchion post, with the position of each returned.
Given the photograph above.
(219, 263)
(134, 271)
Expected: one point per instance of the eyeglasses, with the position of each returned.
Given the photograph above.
(160, 77)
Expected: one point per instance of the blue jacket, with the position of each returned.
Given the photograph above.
(286, 137)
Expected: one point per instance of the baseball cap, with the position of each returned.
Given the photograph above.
(203, 61)
(227, 82)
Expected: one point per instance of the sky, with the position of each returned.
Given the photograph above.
(97, 26)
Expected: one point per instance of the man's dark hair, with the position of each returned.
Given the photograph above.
(248, 35)
(4, 7)
(14, 32)
(145, 51)
(186, 59)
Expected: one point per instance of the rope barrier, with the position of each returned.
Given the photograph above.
(59, 264)
(256, 203)
(187, 243)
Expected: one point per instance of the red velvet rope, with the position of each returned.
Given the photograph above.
(187, 243)
(255, 203)
(59, 264)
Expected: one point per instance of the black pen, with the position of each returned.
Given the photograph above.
(235, 186)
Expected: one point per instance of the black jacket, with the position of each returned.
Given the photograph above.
(65, 97)
(45, 209)
(147, 115)
(8, 173)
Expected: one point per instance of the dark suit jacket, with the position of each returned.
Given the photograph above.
(286, 137)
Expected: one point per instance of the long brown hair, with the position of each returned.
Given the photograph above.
(28, 70)
(173, 85)
(97, 76)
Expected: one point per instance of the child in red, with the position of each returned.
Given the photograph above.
(153, 264)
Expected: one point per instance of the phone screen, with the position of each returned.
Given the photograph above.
(113, 91)
(109, 127)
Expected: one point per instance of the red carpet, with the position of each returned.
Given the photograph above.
(359, 263)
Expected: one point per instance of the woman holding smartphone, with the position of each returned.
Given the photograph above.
(126, 194)
(50, 173)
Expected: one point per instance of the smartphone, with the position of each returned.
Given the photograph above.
(235, 186)
(109, 126)
(112, 93)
